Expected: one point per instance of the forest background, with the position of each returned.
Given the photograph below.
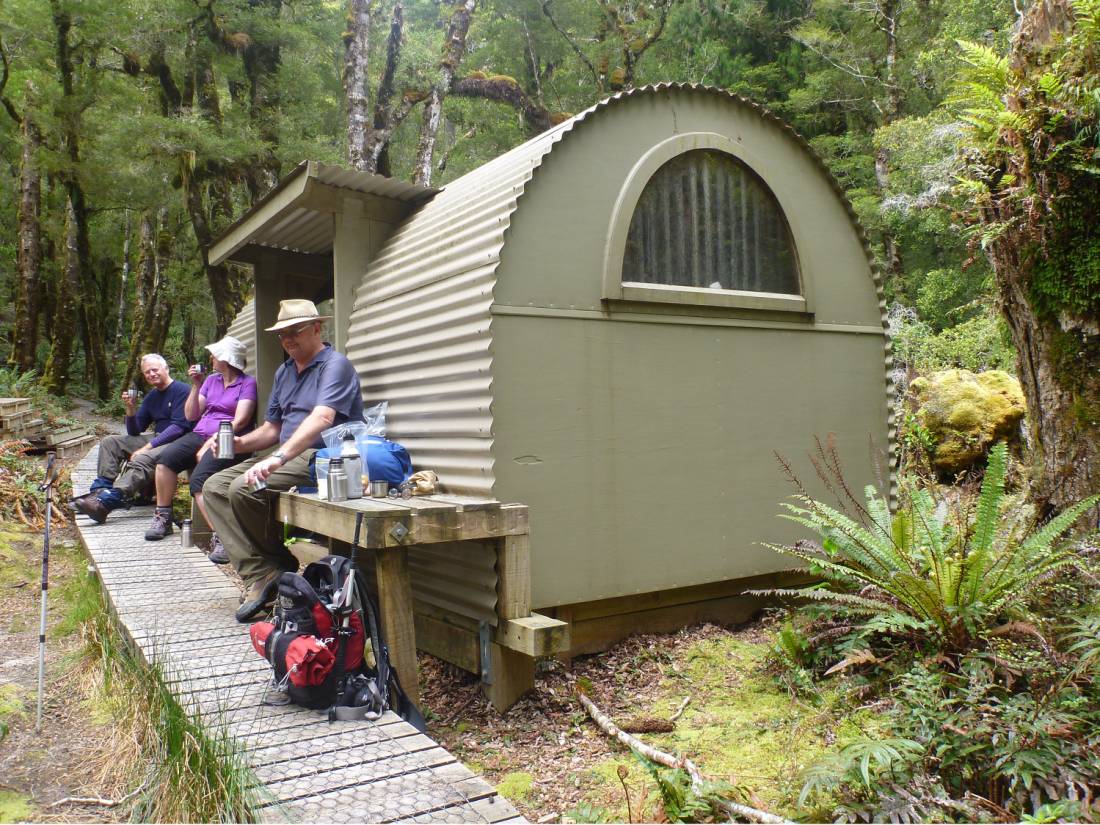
(963, 132)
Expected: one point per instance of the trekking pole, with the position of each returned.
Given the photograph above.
(47, 487)
(345, 618)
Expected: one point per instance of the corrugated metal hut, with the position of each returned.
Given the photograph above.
(619, 323)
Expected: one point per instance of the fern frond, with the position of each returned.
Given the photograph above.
(1045, 536)
(985, 522)
(848, 601)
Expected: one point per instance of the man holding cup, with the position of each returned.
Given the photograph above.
(163, 407)
(314, 389)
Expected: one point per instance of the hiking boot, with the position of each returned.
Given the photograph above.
(217, 551)
(90, 506)
(161, 526)
(260, 595)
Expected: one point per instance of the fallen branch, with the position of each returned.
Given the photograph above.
(96, 800)
(680, 710)
(668, 760)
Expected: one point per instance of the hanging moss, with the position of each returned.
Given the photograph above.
(1066, 278)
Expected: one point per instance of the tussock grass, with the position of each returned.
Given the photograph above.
(185, 773)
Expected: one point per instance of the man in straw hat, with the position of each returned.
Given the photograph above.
(315, 388)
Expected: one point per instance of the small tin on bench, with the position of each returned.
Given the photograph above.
(379, 488)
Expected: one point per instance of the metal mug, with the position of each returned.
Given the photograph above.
(379, 489)
(198, 368)
(257, 485)
(132, 394)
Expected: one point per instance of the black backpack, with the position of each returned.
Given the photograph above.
(316, 640)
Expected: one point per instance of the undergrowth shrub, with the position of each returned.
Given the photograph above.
(930, 573)
(976, 635)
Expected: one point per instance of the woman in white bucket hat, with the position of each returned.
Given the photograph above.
(226, 394)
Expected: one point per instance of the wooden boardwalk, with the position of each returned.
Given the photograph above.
(177, 609)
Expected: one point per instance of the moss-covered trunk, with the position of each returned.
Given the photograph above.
(1038, 197)
(1059, 370)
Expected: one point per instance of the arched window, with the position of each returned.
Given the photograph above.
(706, 220)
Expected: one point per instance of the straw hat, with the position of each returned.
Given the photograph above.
(296, 311)
(230, 350)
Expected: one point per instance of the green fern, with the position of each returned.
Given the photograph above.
(855, 762)
(924, 570)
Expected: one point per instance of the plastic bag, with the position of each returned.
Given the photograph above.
(385, 461)
(375, 424)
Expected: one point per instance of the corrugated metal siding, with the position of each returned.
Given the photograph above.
(421, 334)
(243, 329)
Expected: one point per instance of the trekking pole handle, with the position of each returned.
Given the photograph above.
(358, 528)
(51, 472)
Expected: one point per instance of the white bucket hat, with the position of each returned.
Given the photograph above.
(230, 350)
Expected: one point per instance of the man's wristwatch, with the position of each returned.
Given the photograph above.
(279, 455)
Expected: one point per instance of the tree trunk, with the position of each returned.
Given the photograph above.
(28, 289)
(1059, 370)
(88, 294)
(888, 10)
(261, 66)
(454, 50)
(144, 283)
(121, 314)
(386, 117)
(356, 78)
(1045, 266)
(55, 377)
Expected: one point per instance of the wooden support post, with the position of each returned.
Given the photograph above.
(514, 577)
(391, 568)
(513, 675)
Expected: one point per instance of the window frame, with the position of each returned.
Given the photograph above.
(617, 290)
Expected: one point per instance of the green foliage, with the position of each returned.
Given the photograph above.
(1022, 746)
(928, 571)
(587, 812)
(977, 344)
(865, 761)
(1030, 175)
(187, 773)
(681, 801)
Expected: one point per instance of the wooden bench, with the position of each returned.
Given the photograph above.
(506, 651)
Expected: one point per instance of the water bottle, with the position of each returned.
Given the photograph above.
(225, 440)
(337, 480)
(353, 466)
(185, 534)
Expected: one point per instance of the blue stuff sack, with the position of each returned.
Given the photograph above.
(386, 461)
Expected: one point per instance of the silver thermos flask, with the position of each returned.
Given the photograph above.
(185, 534)
(337, 480)
(225, 440)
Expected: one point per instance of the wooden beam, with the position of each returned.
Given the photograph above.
(423, 524)
(534, 635)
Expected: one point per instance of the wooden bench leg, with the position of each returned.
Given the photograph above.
(513, 674)
(391, 569)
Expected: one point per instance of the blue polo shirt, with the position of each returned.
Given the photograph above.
(329, 380)
(164, 410)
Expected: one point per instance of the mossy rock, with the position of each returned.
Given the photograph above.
(966, 414)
